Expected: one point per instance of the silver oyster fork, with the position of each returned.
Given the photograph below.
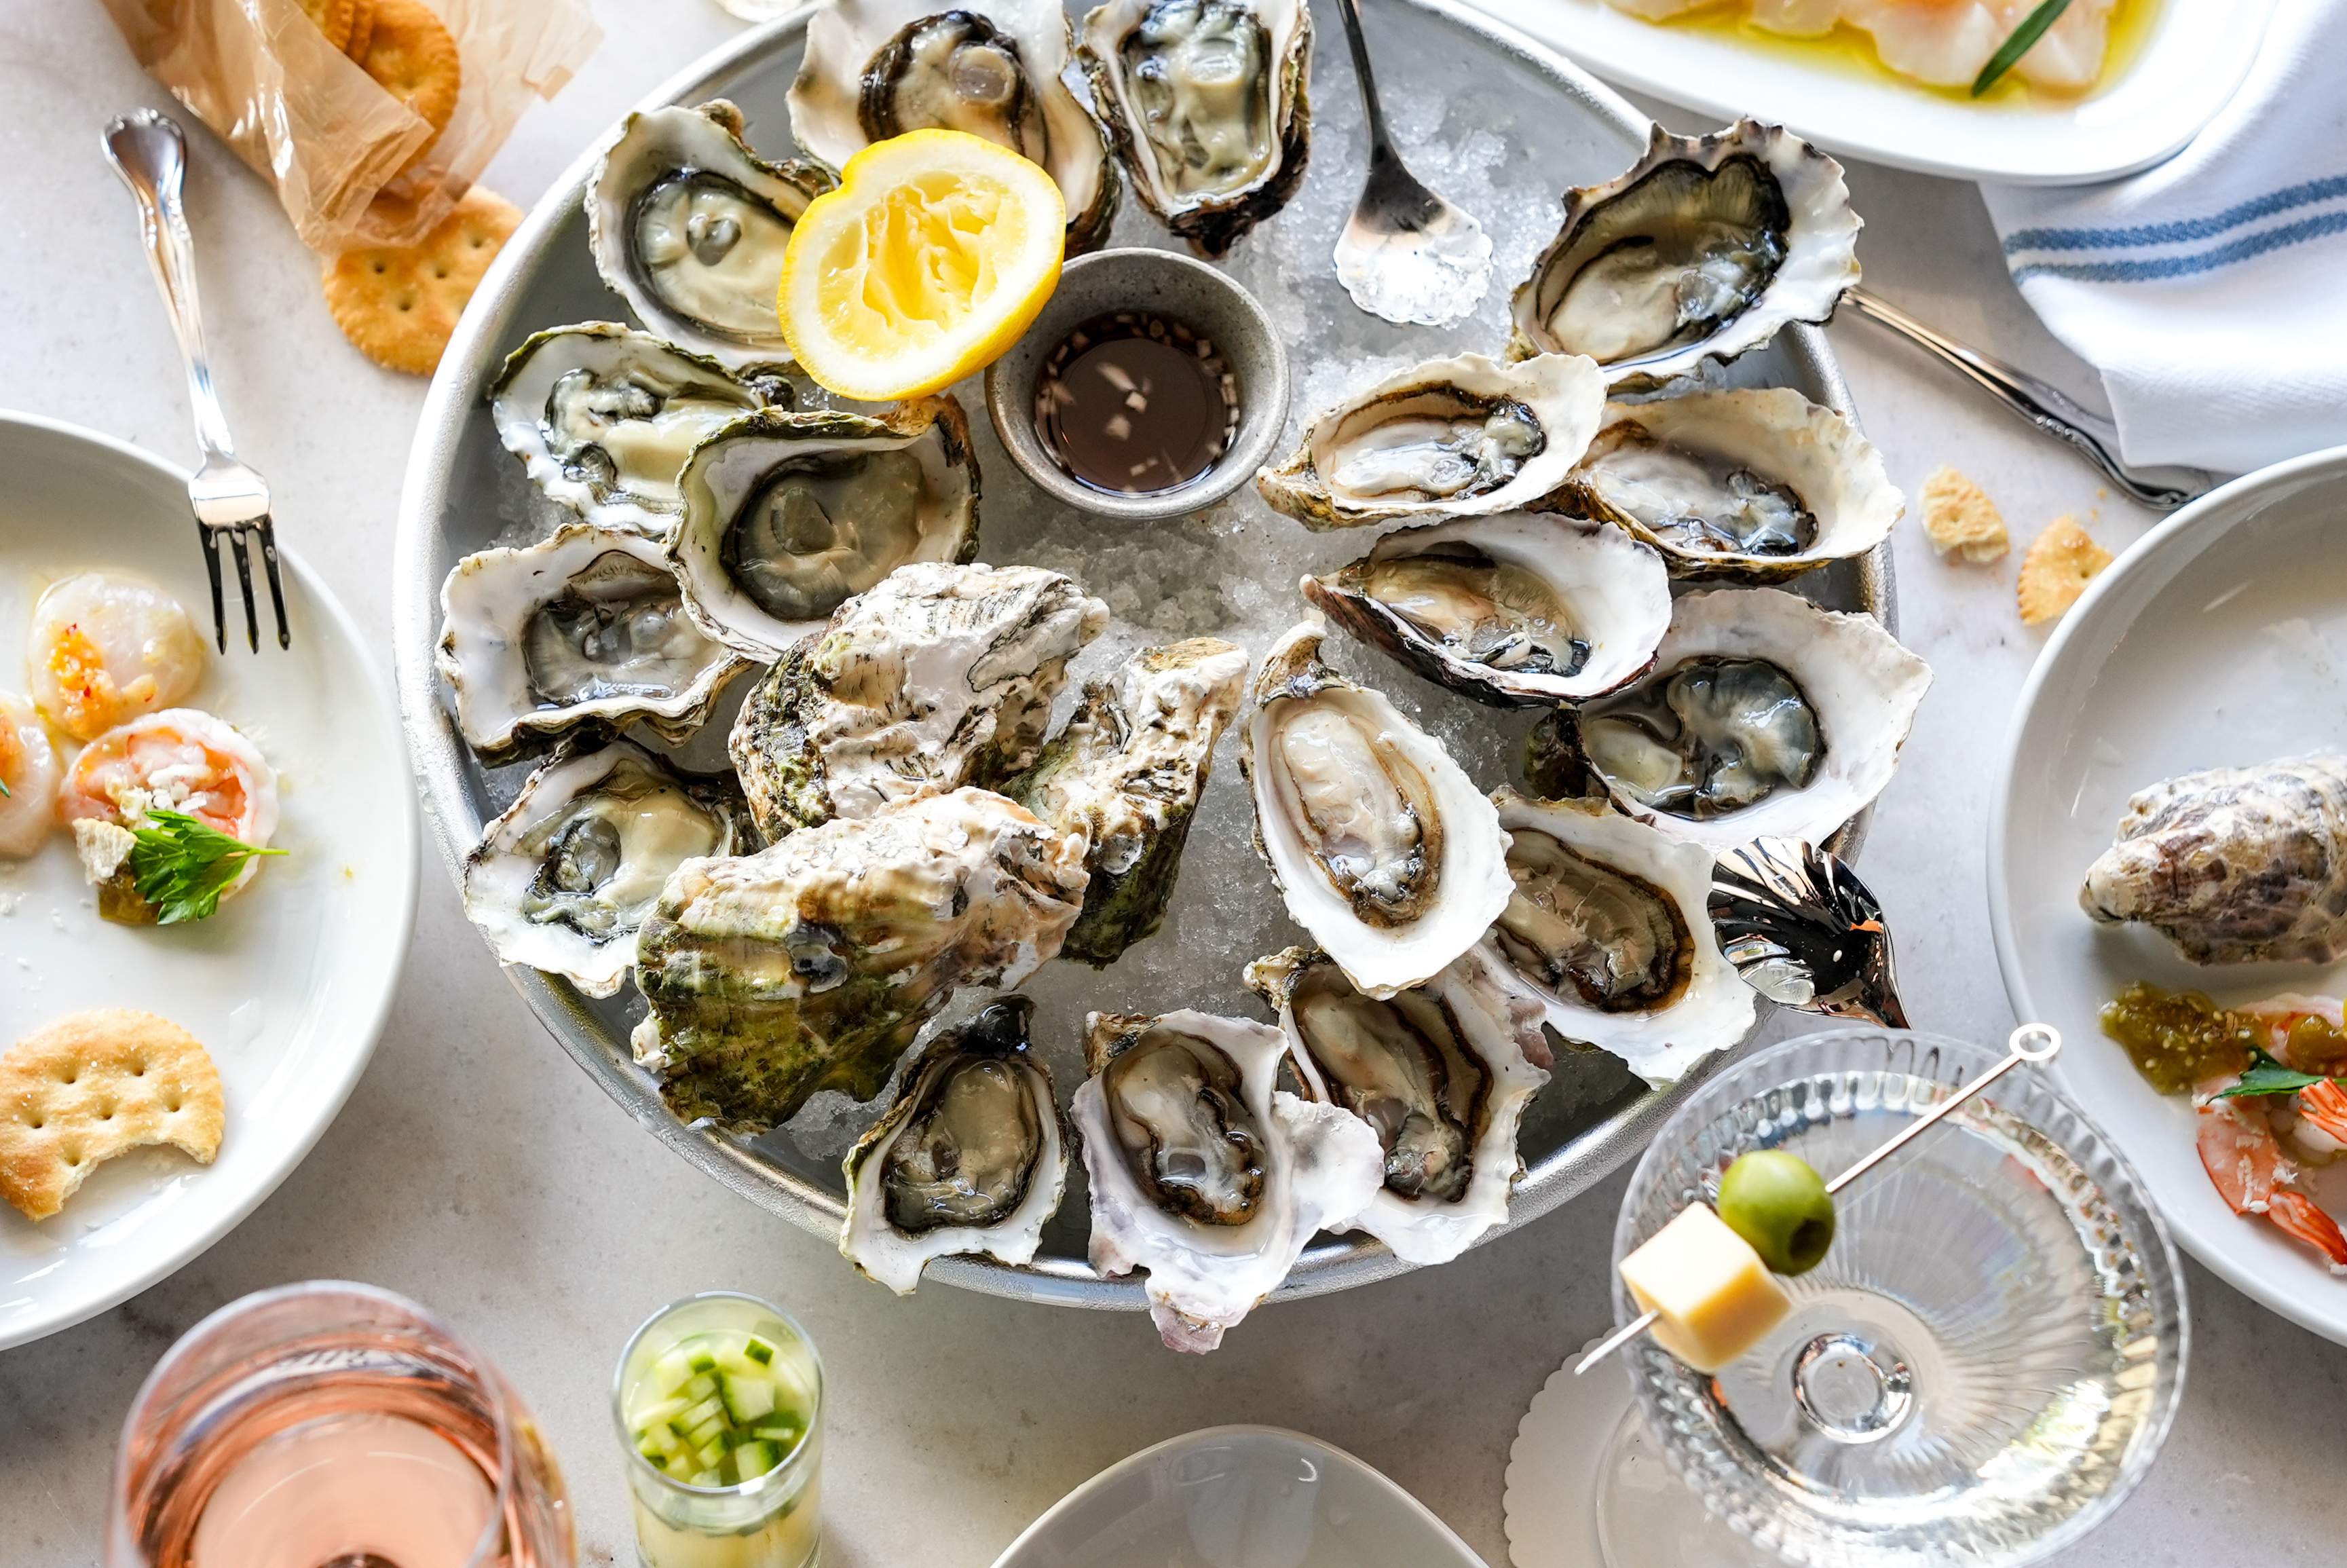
(148, 151)
(1804, 931)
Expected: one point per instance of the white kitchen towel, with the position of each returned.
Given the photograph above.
(2211, 290)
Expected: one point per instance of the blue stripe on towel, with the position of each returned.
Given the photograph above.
(2264, 206)
(2151, 268)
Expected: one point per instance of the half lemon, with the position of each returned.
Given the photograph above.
(934, 254)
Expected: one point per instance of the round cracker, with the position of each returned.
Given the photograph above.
(414, 59)
(334, 18)
(400, 303)
(93, 1085)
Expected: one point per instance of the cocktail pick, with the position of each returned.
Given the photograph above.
(1804, 931)
(2030, 1042)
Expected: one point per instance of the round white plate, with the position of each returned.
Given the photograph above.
(287, 984)
(2190, 64)
(2220, 640)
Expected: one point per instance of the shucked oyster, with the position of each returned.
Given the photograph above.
(971, 1156)
(2234, 865)
(1442, 1074)
(1207, 103)
(1382, 848)
(786, 515)
(689, 226)
(563, 877)
(941, 676)
(812, 964)
(1201, 1172)
(1526, 608)
(1700, 250)
(878, 68)
(1450, 437)
(588, 625)
(1125, 775)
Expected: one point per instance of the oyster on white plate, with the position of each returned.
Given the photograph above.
(878, 68)
(1441, 1073)
(563, 877)
(1202, 1172)
(1522, 609)
(786, 515)
(1449, 437)
(587, 626)
(970, 1156)
(1382, 848)
(1208, 104)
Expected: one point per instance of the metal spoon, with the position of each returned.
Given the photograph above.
(1804, 931)
(1406, 254)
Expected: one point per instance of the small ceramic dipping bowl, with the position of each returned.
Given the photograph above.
(1170, 285)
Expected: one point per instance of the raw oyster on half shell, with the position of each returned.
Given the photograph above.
(1202, 1172)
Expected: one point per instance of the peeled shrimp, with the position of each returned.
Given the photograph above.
(2238, 1151)
(28, 766)
(107, 647)
(178, 760)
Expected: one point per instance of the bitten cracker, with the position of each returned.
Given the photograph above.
(93, 1085)
(2060, 564)
(399, 303)
(414, 60)
(332, 17)
(1961, 520)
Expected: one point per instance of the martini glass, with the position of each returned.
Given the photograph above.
(1982, 1368)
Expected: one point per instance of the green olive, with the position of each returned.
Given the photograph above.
(1777, 1202)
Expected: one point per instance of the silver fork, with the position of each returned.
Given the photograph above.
(148, 151)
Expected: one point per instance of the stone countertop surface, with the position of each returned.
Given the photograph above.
(478, 1171)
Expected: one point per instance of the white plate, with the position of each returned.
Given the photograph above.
(2220, 639)
(287, 984)
(1238, 1497)
(2190, 64)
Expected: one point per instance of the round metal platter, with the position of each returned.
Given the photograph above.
(1495, 121)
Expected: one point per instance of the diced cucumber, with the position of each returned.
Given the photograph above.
(702, 1361)
(699, 1387)
(755, 1458)
(711, 1456)
(758, 1350)
(708, 1409)
(710, 1433)
(656, 1415)
(781, 1432)
(747, 1398)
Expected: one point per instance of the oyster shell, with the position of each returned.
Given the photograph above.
(1382, 848)
(786, 515)
(1125, 775)
(1522, 609)
(970, 1156)
(1757, 484)
(563, 877)
(941, 676)
(1440, 1073)
(1764, 715)
(877, 69)
(1700, 250)
(2234, 865)
(588, 625)
(1609, 930)
(689, 226)
(1208, 105)
(1450, 437)
(813, 963)
(1201, 1172)
(603, 419)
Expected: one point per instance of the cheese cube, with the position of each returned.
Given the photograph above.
(1715, 1297)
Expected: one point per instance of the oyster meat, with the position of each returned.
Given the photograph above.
(689, 226)
(1208, 104)
(1202, 1172)
(1446, 438)
(1382, 848)
(2234, 865)
(588, 625)
(1126, 776)
(1700, 250)
(941, 676)
(1522, 609)
(878, 68)
(813, 963)
(563, 877)
(786, 515)
(1441, 1072)
(970, 1156)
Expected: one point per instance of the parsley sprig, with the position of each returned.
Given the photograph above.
(2267, 1076)
(181, 866)
(2033, 27)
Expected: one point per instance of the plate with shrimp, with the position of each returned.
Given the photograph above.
(2167, 874)
(225, 839)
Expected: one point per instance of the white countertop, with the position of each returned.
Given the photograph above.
(478, 1171)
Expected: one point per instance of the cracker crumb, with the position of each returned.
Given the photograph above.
(2061, 562)
(1961, 520)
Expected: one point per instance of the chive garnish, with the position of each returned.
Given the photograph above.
(2033, 27)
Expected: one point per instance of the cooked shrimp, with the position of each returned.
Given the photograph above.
(108, 647)
(2238, 1151)
(28, 766)
(176, 760)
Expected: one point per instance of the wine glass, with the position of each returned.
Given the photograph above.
(1982, 1368)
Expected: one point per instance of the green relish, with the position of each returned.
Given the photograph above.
(711, 1411)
